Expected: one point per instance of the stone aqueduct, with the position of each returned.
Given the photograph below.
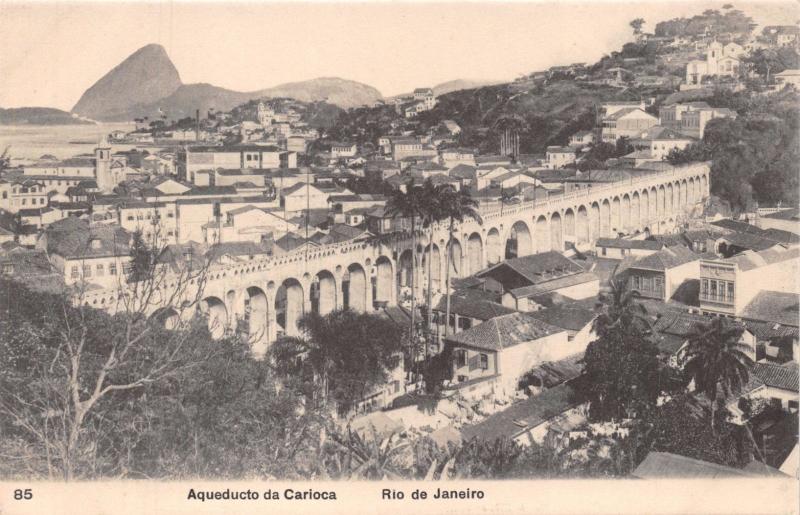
(272, 293)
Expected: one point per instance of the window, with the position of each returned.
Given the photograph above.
(604, 251)
(99, 270)
(87, 271)
(112, 269)
(793, 406)
(659, 284)
(5, 194)
(776, 402)
(484, 363)
(170, 215)
(461, 358)
(730, 291)
(24, 201)
(130, 218)
(8, 268)
(464, 323)
(73, 272)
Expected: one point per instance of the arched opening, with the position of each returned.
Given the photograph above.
(644, 209)
(542, 234)
(662, 202)
(556, 235)
(635, 207)
(583, 225)
(569, 225)
(690, 192)
(594, 219)
(653, 212)
(616, 217)
(405, 270)
(682, 193)
(670, 200)
(456, 259)
(493, 247)
(383, 280)
(519, 240)
(703, 187)
(217, 315)
(474, 253)
(625, 214)
(323, 293)
(605, 219)
(289, 307)
(435, 267)
(166, 317)
(255, 314)
(354, 287)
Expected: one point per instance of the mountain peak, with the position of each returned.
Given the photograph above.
(145, 76)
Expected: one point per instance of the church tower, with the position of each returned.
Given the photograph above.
(102, 167)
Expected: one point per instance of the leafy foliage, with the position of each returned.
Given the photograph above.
(622, 372)
(342, 355)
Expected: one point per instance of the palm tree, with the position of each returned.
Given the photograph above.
(307, 357)
(455, 205)
(433, 213)
(619, 308)
(510, 127)
(716, 360)
(409, 204)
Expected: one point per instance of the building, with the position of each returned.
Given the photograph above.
(468, 308)
(303, 196)
(628, 122)
(527, 422)
(195, 159)
(426, 96)
(784, 220)
(728, 285)
(661, 274)
(690, 118)
(87, 255)
(341, 150)
(787, 78)
(247, 224)
(380, 170)
(721, 60)
(404, 147)
(620, 248)
(500, 350)
(658, 141)
(557, 157)
(581, 139)
(573, 318)
(665, 465)
(452, 157)
(519, 281)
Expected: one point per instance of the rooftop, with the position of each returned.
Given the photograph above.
(665, 465)
(622, 243)
(524, 415)
(774, 306)
(667, 258)
(504, 331)
(784, 377)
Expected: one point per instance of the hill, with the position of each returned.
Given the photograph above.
(145, 76)
(340, 92)
(460, 84)
(38, 116)
(147, 82)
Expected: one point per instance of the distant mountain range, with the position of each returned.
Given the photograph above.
(38, 116)
(147, 83)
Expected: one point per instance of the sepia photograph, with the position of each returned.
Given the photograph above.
(387, 253)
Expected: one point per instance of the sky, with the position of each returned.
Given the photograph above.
(50, 53)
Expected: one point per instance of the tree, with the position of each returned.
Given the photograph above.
(510, 127)
(432, 213)
(341, 356)
(622, 373)
(637, 25)
(455, 206)
(716, 360)
(409, 204)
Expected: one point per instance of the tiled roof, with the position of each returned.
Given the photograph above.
(73, 237)
(621, 243)
(773, 306)
(473, 304)
(524, 415)
(749, 260)
(784, 377)
(573, 318)
(236, 248)
(554, 284)
(503, 332)
(666, 258)
(536, 268)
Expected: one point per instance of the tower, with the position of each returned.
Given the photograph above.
(102, 167)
